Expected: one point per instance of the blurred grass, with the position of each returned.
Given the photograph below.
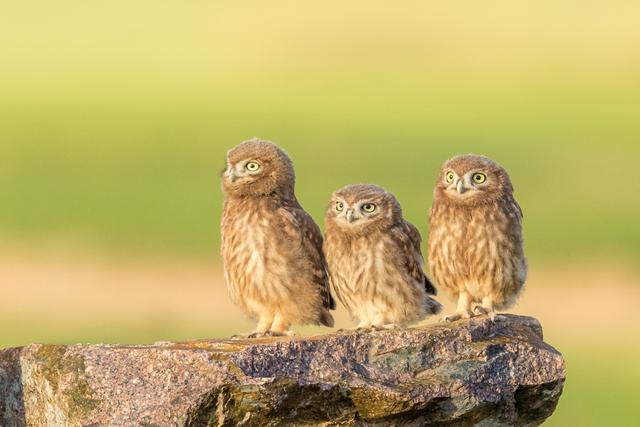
(600, 386)
(156, 185)
(115, 119)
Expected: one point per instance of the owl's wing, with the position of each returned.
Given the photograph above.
(408, 238)
(519, 209)
(300, 226)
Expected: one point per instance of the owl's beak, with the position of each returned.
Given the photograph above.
(460, 187)
(351, 215)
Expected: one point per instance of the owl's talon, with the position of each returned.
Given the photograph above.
(247, 336)
(479, 310)
(451, 317)
(255, 335)
(279, 334)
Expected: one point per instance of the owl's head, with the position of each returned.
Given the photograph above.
(360, 208)
(256, 168)
(471, 179)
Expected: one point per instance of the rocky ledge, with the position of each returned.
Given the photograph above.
(465, 373)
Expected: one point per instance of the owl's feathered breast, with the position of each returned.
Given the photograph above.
(478, 244)
(353, 263)
(378, 265)
(268, 252)
(247, 249)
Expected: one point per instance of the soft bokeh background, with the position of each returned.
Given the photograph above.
(115, 118)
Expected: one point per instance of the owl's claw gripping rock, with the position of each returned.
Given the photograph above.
(246, 336)
(479, 310)
(279, 334)
(256, 335)
(450, 318)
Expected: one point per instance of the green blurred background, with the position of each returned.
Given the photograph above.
(115, 118)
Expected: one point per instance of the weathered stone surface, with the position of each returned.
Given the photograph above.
(472, 372)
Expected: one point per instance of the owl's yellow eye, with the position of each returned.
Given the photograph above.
(479, 178)
(449, 177)
(252, 166)
(339, 206)
(369, 207)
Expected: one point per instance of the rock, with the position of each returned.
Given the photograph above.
(473, 372)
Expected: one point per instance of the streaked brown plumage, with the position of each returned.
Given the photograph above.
(475, 236)
(374, 259)
(274, 267)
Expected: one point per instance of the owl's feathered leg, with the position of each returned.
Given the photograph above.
(364, 324)
(463, 311)
(380, 322)
(264, 323)
(485, 308)
(280, 327)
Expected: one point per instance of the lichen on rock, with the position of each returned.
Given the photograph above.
(55, 383)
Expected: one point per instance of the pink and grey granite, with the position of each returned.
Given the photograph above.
(473, 372)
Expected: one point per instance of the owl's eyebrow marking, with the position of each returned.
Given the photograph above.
(224, 169)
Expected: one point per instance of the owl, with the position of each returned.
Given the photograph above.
(374, 259)
(274, 267)
(475, 237)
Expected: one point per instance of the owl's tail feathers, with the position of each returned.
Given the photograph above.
(428, 286)
(433, 306)
(332, 302)
(326, 318)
